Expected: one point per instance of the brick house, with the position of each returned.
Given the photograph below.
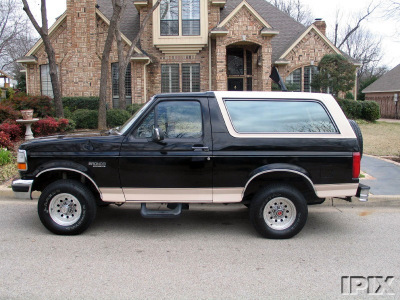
(386, 92)
(188, 45)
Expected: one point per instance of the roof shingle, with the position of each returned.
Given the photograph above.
(390, 82)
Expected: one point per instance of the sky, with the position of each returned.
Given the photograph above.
(324, 9)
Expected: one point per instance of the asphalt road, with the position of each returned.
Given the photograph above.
(210, 252)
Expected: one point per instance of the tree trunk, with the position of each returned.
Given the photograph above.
(44, 34)
(59, 111)
(105, 59)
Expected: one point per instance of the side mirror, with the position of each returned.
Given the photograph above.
(157, 135)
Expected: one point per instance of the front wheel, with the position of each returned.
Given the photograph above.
(66, 207)
(278, 211)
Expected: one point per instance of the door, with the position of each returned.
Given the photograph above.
(176, 169)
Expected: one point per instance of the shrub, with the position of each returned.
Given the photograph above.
(5, 141)
(132, 108)
(50, 126)
(352, 109)
(117, 117)
(13, 130)
(46, 126)
(42, 105)
(7, 111)
(75, 103)
(349, 96)
(85, 118)
(5, 156)
(370, 111)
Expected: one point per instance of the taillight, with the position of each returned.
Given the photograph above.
(356, 164)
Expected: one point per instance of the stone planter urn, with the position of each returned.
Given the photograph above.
(27, 114)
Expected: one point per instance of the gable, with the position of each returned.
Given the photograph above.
(249, 10)
(311, 36)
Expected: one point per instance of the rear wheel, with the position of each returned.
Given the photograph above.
(278, 211)
(66, 207)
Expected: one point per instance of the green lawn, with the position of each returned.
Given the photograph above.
(381, 138)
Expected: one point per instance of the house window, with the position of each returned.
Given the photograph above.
(45, 81)
(190, 17)
(293, 81)
(115, 81)
(169, 17)
(170, 78)
(190, 77)
(309, 73)
(189, 20)
(302, 75)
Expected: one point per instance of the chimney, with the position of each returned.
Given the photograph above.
(321, 25)
(81, 21)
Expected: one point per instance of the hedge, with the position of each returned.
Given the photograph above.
(117, 117)
(75, 103)
(367, 110)
(85, 118)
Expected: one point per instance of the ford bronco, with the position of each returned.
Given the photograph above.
(274, 152)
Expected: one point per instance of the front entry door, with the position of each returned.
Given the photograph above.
(176, 169)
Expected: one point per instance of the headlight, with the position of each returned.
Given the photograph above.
(22, 160)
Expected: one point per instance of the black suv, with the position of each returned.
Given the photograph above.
(274, 152)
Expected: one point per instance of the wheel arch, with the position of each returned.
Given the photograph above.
(46, 175)
(280, 173)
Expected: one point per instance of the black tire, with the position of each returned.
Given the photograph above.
(66, 207)
(285, 215)
(359, 136)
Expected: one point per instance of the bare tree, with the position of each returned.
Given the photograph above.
(343, 33)
(105, 59)
(123, 60)
(15, 35)
(44, 34)
(392, 11)
(296, 9)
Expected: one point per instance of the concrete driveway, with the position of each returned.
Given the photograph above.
(385, 175)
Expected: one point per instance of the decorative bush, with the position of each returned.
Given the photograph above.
(117, 117)
(85, 118)
(7, 112)
(42, 105)
(50, 126)
(5, 141)
(352, 109)
(5, 156)
(75, 103)
(370, 111)
(14, 131)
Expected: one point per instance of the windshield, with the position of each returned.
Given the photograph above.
(134, 117)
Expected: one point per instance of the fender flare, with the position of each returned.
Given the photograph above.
(66, 166)
(278, 168)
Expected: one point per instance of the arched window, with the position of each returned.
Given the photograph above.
(300, 79)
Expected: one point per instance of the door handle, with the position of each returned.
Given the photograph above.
(198, 148)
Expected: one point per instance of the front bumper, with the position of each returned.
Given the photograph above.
(22, 188)
(363, 192)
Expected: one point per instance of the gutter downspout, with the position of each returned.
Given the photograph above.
(209, 65)
(145, 80)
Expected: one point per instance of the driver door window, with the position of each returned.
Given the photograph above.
(176, 119)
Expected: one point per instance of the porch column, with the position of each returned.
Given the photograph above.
(266, 64)
(221, 65)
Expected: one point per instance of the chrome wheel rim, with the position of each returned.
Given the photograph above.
(65, 209)
(279, 213)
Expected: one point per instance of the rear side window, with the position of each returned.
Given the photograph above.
(283, 116)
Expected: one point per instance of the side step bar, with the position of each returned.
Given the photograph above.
(148, 213)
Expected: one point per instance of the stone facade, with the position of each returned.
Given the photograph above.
(79, 36)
